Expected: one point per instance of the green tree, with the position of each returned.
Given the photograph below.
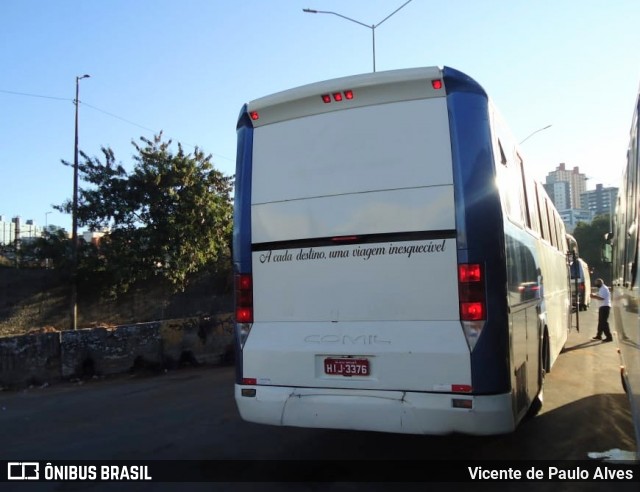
(52, 249)
(590, 238)
(167, 218)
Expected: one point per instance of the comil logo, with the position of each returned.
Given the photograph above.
(23, 470)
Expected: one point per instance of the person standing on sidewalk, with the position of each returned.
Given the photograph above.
(604, 296)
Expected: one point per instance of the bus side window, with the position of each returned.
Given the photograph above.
(503, 158)
(549, 223)
(544, 225)
(510, 188)
(559, 236)
(524, 193)
(606, 253)
(522, 274)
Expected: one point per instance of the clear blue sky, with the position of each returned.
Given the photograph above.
(187, 66)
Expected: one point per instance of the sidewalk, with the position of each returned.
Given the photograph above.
(585, 386)
(586, 367)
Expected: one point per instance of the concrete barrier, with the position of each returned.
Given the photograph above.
(102, 351)
(40, 358)
(30, 359)
(197, 340)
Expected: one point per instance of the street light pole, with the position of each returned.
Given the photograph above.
(532, 134)
(44, 235)
(74, 218)
(372, 27)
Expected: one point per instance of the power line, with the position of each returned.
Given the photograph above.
(117, 117)
(27, 94)
(36, 95)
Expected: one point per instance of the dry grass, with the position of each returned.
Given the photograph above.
(38, 300)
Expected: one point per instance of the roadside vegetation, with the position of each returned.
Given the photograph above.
(590, 238)
(164, 226)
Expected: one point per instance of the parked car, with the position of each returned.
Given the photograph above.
(580, 270)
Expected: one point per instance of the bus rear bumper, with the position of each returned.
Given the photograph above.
(382, 411)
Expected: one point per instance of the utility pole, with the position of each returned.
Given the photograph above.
(74, 219)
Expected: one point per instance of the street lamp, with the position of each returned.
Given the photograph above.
(372, 27)
(532, 134)
(74, 218)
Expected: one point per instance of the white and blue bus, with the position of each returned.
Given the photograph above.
(397, 269)
(626, 295)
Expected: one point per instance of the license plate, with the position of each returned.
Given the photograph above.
(346, 367)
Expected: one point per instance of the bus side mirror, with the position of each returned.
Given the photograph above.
(606, 253)
(607, 248)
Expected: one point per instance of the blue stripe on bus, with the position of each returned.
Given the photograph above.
(242, 195)
(479, 223)
(242, 212)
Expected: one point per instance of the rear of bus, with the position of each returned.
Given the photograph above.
(359, 301)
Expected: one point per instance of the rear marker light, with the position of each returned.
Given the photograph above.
(337, 96)
(461, 388)
(341, 239)
(254, 115)
(436, 84)
(249, 381)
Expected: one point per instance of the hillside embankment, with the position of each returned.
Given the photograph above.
(39, 300)
(148, 328)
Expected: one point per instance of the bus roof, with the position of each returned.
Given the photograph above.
(364, 90)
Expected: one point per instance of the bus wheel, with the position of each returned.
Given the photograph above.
(536, 404)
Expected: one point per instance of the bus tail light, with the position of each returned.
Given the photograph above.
(244, 298)
(248, 392)
(244, 305)
(472, 311)
(473, 304)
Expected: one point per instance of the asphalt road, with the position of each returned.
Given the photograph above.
(190, 414)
